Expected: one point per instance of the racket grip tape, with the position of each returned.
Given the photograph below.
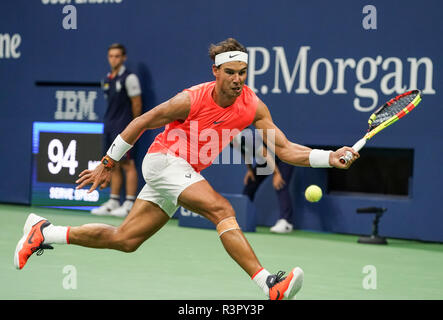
(357, 147)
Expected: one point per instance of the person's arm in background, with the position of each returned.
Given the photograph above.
(277, 180)
(136, 103)
(134, 92)
(262, 152)
(237, 143)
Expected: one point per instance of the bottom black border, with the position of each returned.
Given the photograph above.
(221, 309)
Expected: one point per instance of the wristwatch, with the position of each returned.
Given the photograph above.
(108, 162)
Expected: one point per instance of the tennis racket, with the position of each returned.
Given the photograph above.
(386, 115)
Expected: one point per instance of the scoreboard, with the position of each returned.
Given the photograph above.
(61, 150)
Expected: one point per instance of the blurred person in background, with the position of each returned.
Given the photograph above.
(281, 177)
(123, 94)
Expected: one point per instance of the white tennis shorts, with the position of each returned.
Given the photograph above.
(166, 177)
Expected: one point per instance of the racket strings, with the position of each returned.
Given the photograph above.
(392, 108)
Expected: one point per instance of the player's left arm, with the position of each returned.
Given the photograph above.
(289, 152)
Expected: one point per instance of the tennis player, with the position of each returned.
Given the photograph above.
(196, 121)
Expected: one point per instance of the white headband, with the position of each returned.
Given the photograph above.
(231, 56)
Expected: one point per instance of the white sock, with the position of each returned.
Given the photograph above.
(260, 279)
(56, 234)
(115, 198)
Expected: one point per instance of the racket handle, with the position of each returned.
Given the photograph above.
(357, 147)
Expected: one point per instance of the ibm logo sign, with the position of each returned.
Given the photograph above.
(75, 105)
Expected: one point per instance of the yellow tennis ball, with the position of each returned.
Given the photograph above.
(313, 193)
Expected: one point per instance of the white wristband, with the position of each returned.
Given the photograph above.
(118, 148)
(319, 158)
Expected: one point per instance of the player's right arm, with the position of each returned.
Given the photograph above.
(177, 108)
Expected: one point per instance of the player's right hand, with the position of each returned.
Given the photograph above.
(100, 176)
(334, 158)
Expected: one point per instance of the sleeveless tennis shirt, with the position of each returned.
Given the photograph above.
(208, 128)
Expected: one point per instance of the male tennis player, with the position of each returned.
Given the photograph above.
(172, 168)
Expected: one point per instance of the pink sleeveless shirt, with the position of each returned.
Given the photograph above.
(208, 128)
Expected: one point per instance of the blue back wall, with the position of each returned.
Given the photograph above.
(300, 50)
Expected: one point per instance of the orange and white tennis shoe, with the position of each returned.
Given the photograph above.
(32, 240)
(285, 287)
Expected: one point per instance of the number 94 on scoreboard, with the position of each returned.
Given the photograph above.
(61, 150)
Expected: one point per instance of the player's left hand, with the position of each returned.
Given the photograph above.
(100, 176)
(334, 158)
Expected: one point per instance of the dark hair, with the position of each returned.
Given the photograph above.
(229, 44)
(118, 46)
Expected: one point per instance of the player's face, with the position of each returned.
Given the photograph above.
(232, 77)
(116, 58)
